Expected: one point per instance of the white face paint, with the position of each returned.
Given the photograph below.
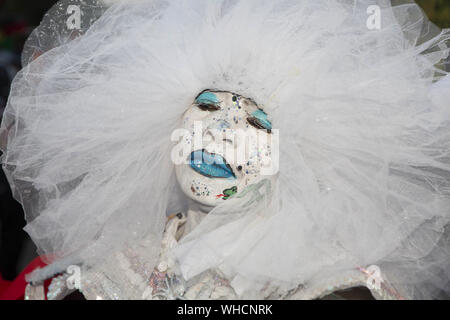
(231, 128)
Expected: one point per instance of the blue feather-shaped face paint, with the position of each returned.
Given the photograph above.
(207, 98)
(261, 118)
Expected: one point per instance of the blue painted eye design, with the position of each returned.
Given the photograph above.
(259, 120)
(208, 101)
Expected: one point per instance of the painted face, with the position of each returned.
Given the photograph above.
(229, 143)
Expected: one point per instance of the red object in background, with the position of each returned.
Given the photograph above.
(16, 27)
(15, 290)
(3, 285)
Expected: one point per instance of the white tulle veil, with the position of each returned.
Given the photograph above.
(364, 126)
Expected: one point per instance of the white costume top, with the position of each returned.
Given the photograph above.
(127, 276)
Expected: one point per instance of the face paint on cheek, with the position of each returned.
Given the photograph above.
(227, 193)
(200, 189)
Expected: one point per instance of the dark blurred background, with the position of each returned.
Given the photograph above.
(437, 10)
(17, 19)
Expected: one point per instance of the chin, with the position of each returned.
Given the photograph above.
(204, 190)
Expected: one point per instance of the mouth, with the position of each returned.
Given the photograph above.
(210, 165)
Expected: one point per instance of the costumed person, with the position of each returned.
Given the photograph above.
(326, 167)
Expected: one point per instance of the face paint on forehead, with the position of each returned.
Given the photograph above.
(224, 100)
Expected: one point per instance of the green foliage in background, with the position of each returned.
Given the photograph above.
(437, 11)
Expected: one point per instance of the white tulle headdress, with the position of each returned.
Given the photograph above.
(362, 111)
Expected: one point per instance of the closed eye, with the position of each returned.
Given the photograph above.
(208, 107)
(255, 123)
(259, 120)
(208, 101)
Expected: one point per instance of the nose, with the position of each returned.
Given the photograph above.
(221, 127)
(216, 125)
(219, 132)
(219, 135)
